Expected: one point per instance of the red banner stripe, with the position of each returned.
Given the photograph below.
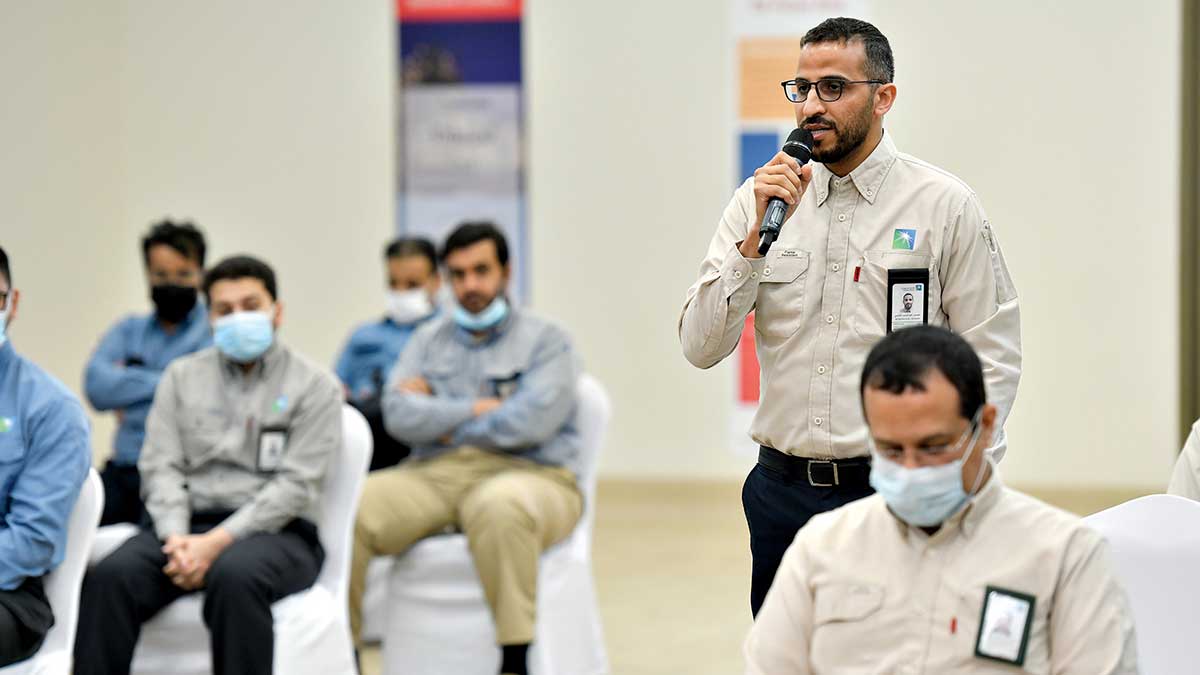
(458, 10)
(747, 363)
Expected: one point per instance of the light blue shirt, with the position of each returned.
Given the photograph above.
(526, 362)
(370, 353)
(45, 453)
(110, 384)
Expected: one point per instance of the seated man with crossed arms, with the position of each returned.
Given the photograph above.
(485, 398)
(944, 569)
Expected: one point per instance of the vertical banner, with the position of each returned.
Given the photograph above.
(766, 46)
(460, 142)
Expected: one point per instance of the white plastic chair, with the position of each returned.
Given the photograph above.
(1155, 545)
(437, 619)
(312, 630)
(63, 584)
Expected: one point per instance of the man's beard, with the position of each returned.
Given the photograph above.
(849, 137)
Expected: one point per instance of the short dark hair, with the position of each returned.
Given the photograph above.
(412, 246)
(879, 65)
(5, 270)
(471, 233)
(241, 267)
(904, 359)
(183, 237)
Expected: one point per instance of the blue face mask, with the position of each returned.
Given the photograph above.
(490, 317)
(927, 496)
(244, 336)
(3, 325)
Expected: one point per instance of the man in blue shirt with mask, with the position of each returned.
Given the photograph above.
(374, 347)
(45, 453)
(129, 361)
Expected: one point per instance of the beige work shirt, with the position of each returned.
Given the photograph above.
(204, 449)
(861, 592)
(1185, 480)
(820, 295)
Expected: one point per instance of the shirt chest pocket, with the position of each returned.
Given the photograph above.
(779, 307)
(203, 432)
(843, 613)
(871, 290)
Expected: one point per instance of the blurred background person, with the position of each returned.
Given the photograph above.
(373, 348)
(126, 366)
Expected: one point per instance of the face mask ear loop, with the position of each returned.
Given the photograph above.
(986, 460)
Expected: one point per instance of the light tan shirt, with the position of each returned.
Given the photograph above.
(860, 592)
(1185, 481)
(820, 295)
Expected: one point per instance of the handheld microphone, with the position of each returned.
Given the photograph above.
(799, 146)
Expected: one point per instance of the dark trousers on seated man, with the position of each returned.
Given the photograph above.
(781, 494)
(128, 588)
(25, 618)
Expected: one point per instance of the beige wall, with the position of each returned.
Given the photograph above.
(272, 129)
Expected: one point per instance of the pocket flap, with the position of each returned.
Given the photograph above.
(846, 602)
(782, 267)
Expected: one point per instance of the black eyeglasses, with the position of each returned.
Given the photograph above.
(828, 90)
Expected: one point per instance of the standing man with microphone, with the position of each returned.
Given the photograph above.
(864, 227)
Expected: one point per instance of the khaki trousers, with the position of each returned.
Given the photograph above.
(511, 510)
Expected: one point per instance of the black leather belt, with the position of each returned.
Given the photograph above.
(817, 472)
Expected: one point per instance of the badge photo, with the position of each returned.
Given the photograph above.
(908, 298)
(271, 444)
(1004, 625)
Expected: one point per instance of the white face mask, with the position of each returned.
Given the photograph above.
(3, 326)
(407, 307)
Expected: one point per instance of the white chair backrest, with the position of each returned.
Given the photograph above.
(63, 583)
(339, 505)
(593, 412)
(1155, 544)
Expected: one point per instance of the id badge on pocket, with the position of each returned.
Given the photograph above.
(505, 387)
(271, 443)
(1004, 625)
(908, 298)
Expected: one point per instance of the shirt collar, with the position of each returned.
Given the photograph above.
(866, 177)
(262, 367)
(490, 335)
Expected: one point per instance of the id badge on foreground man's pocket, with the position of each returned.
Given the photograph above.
(908, 298)
(1004, 625)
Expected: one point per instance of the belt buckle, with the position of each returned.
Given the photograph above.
(813, 482)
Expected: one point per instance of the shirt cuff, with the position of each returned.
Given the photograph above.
(165, 527)
(737, 271)
(240, 523)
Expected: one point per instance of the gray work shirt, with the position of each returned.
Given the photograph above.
(213, 440)
(525, 361)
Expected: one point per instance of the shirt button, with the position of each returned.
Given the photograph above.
(820, 370)
(737, 274)
(841, 217)
(829, 319)
(767, 272)
(818, 421)
(837, 266)
(754, 275)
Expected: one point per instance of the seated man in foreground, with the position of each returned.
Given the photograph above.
(945, 569)
(485, 399)
(45, 453)
(238, 441)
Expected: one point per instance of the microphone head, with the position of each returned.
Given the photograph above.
(799, 145)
